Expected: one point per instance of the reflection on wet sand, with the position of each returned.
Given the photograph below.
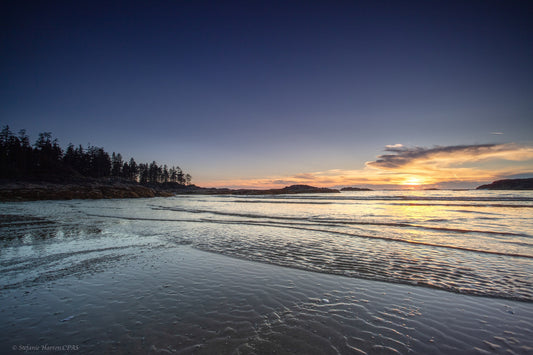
(127, 276)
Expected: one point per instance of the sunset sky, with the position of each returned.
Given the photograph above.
(268, 94)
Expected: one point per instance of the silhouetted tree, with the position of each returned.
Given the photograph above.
(46, 159)
(125, 171)
(134, 170)
(173, 174)
(116, 164)
(100, 162)
(47, 155)
(8, 150)
(165, 175)
(180, 176)
(82, 161)
(143, 173)
(153, 172)
(24, 153)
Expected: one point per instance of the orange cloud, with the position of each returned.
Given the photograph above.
(450, 155)
(411, 166)
(464, 163)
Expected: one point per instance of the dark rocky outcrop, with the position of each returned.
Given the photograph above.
(113, 188)
(355, 189)
(509, 184)
(32, 191)
(294, 189)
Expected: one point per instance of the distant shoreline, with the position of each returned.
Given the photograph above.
(41, 190)
(20, 190)
(509, 184)
(35, 190)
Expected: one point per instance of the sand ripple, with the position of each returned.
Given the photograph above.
(181, 300)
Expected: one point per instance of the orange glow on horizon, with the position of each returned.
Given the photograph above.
(417, 168)
(413, 181)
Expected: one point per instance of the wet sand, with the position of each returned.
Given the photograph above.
(176, 299)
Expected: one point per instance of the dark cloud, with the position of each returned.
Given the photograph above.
(285, 182)
(305, 176)
(404, 155)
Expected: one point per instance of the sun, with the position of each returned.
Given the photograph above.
(413, 181)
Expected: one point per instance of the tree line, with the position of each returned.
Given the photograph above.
(19, 159)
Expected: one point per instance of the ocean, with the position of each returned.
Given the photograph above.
(472, 242)
(432, 245)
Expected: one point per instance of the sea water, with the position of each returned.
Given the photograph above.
(260, 274)
(469, 242)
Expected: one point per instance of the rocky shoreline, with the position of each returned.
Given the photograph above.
(113, 188)
(19, 191)
(288, 190)
(356, 189)
(108, 189)
(509, 184)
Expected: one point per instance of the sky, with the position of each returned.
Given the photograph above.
(271, 93)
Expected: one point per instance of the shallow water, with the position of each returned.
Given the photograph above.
(180, 300)
(131, 276)
(472, 242)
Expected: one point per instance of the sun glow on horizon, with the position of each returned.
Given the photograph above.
(413, 181)
(413, 168)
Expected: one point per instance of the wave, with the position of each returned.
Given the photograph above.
(41, 269)
(392, 202)
(489, 205)
(304, 228)
(389, 198)
(285, 202)
(338, 221)
(479, 212)
(446, 267)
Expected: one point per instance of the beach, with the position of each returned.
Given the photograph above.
(161, 276)
(187, 301)
(277, 177)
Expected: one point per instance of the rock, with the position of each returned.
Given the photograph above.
(509, 184)
(293, 189)
(355, 189)
(103, 189)
(24, 191)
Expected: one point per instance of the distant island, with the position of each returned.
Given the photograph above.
(293, 189)
(355, 189)
(508, 184)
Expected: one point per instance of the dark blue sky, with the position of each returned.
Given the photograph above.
(232, 90)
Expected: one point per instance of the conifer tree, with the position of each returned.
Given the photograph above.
(18, 158)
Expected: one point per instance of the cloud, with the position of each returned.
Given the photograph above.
(438, 166)
(476, 162)
(406, 156)
(496, 133)
(448, 155)
(305, 176)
